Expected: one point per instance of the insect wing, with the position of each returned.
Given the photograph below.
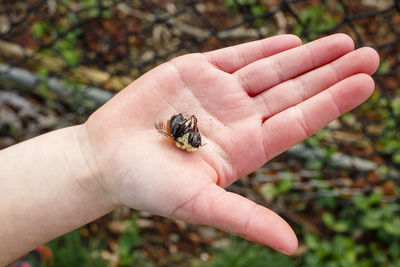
(160, 127)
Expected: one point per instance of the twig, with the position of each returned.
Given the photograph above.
(28, 80)
(56, 64)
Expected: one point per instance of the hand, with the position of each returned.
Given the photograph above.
(252, 101)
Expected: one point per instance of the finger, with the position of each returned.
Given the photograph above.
(235, 214)
(233, 58)
(267, 72)
(294, 91)
(289, 127)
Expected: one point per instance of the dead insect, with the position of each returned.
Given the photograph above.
(183, 131)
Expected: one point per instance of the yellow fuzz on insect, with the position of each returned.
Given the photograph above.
(183, 143)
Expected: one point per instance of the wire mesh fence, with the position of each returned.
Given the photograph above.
(74, 55)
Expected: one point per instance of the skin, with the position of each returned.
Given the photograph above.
(252, 102)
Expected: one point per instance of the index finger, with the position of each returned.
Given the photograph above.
(232, 58)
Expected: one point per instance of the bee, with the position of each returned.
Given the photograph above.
(183, 131)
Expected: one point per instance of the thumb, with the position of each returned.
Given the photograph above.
(233, 213)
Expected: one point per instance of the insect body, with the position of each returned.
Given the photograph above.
(183, 131)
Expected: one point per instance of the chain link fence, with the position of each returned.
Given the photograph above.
(74, 55)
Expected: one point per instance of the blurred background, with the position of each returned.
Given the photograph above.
(339, 190)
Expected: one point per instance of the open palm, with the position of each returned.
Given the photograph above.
(252, 101)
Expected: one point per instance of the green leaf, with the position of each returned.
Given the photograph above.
(72, 57)
(241, 253)
(392, 227)
(39, 28)
(396, 157)
(327, 202)
(394, 250)
(312, 241)
(335, 225)
(384, 67)
(341, 226)
(364, 202)
(373, 219)
(269, 190)
(128, 241)
(257, 10)
(315, 18)
(285, 185)
(328, 218)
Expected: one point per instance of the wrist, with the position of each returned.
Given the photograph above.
(88, 172)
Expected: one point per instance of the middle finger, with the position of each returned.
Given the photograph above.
(265, 73)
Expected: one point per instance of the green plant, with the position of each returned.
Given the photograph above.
(368, 213)
(62, 38)
(128, 245)
(39, 28)
(8, 130)
(384, 67)
(284, 185)
(314, 18)
(66, 47)
(322, 154)
(72, 250)
(236, 4)
(243, 253)
(366, 232)
(256, 9)
(336, 225)
(374, 214)
(389, 139)
(341, 251)
(44, 90)
(387, 109)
